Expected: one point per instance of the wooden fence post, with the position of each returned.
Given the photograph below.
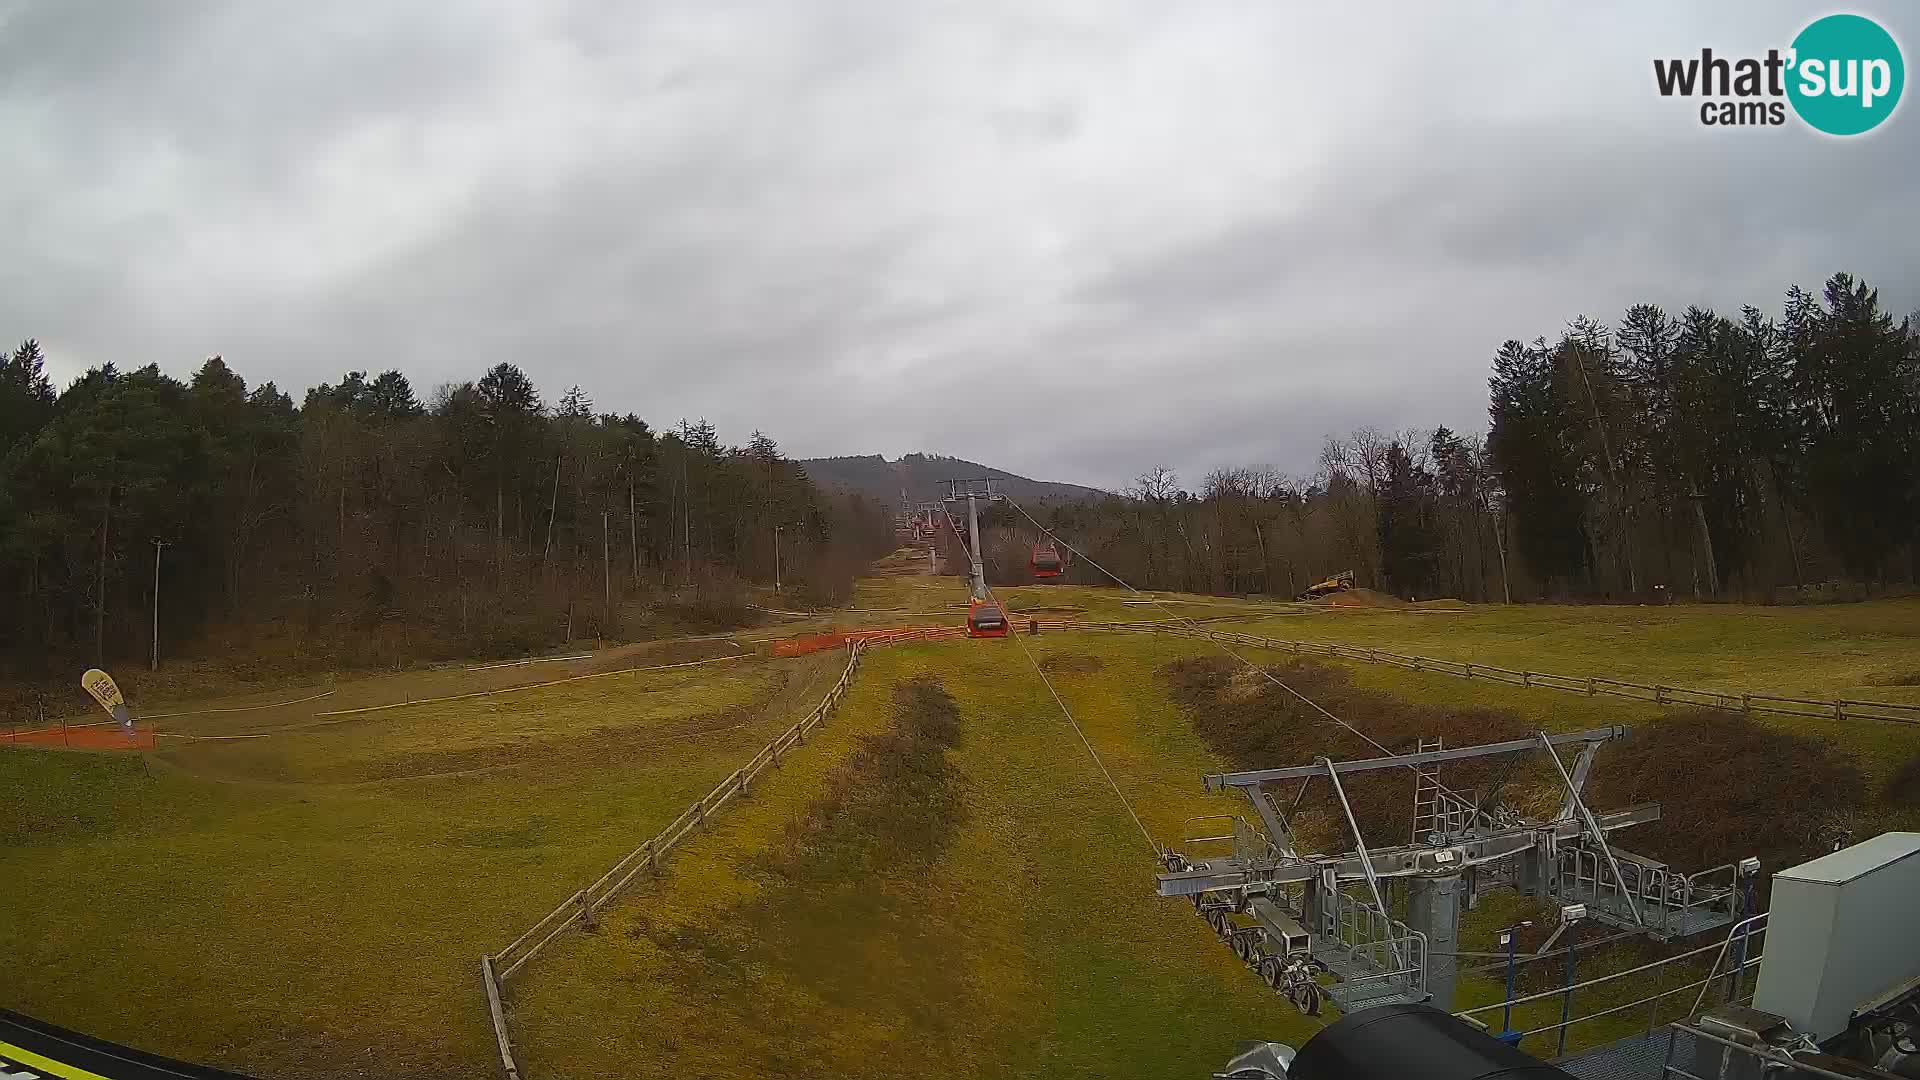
(499, 1016)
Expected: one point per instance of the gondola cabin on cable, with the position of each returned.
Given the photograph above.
(1046, 561)
(986, 618)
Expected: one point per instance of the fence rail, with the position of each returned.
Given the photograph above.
(1843, 709)
(582, 907)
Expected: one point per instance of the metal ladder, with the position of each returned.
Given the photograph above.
(1426, 793)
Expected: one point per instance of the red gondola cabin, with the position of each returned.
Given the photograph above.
(1046, 562)
(985, 618)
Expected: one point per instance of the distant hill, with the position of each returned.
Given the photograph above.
(923, 478)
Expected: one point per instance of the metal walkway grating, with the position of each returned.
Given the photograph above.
(1636, 1057)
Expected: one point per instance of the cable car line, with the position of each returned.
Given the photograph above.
(1270, 677)
(1091, 752)
(987, 617)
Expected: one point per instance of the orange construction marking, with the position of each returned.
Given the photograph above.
(91, 737)
(834, 639)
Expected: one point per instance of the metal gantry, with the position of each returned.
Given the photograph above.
(972, 493)
(1295, 917)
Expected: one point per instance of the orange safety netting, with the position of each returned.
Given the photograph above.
(88, 737)
(833, 639)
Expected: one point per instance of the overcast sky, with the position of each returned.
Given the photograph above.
(1072, 240)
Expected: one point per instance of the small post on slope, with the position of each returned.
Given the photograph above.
(1566, 1001)
(1510, 937)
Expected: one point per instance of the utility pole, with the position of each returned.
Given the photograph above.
(606, 565)
(1615, 495)
(157, 545)
(776, 559)
(553, 508)
(1500, 541)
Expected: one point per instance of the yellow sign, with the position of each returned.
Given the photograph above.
(101, 686)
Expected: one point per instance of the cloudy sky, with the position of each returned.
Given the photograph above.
(1068, 239)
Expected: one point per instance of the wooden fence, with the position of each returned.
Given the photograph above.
(582, 907)
(1890, 712)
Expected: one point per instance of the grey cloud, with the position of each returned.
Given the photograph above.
(1070, 240)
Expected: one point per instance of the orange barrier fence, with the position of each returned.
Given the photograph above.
(835, 639)
(90, 737)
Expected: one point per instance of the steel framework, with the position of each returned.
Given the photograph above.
(1297, 917)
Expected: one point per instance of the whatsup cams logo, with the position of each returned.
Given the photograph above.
(1842, 75)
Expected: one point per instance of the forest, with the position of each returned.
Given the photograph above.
(1757, 457)
(363, 526)
(1765, 457)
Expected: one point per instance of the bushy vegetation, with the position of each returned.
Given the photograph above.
(1258, 724)
(363, 525)
(1728, 786)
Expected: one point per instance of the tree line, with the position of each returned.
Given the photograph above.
(1755, 457)
(364, 525)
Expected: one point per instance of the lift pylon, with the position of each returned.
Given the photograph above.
(985, 616)
(1340, 905)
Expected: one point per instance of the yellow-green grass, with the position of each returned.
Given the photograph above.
(1838, 650)
(1031, 945)
(316, 903)
(1868, 651)
(197, 701)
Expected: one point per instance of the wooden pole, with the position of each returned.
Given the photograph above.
(553, 508)
(157, 545)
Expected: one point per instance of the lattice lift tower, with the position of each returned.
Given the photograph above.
(1296, 917)
(985, 616)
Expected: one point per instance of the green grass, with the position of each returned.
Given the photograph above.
(267, 905)
(315, 903)
(1817, 652)
(1837, 650)
(1029, 944)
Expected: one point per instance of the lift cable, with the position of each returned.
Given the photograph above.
(1091, 752)
(1270, 677)
(1068, 713)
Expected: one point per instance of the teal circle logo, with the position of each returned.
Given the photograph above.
(1846, 74)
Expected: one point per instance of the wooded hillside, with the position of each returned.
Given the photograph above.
(1759, 456)
(364, 525)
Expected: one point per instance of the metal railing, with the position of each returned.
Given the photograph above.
(1663, 898)
(1377, 946)
(1744, 934)
(1770, 1061)
(1249, 844)
(581, 908)
(1890, 712)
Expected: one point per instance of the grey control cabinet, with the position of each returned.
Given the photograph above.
(1843, 929)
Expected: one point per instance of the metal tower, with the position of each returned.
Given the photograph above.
(972, 492)
(1296, 917)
